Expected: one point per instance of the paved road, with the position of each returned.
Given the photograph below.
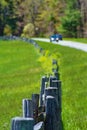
(77, 45)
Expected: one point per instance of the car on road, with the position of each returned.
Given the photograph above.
(55, 37)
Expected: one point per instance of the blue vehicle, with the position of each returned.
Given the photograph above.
(55, 37)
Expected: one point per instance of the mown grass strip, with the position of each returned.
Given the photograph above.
(81, 40)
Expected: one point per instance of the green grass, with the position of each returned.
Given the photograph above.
(73, 72)
(82, 40)
(20, 74)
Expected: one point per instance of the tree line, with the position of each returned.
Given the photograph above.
(41, 18)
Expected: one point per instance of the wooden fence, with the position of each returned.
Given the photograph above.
(42, 111)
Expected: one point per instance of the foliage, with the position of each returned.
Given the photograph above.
(7, 30)
(8, 15)
(46, 61)
(48, 16)
(3, 2)
(71, 20)
(28, 30)
(44, 15)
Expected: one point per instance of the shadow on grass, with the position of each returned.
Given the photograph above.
(62, 126)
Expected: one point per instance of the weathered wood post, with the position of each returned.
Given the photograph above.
(57, 83)
(21, 123)
(43, 81)
(56, 74)
(55, 92)
(27, 106)
(51, 121)
(52, 91)
(56, 69)
(35, 100)
(51, 78)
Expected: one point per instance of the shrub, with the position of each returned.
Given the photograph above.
(7, 30)
(28, 30)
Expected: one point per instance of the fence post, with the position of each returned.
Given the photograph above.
(56, 74)
(51, 78)
(52, 91)
(35, 100)
(43, 81)
(57, 83)
(20, 123)
(27, 106)
(51, 122)
(55, 70)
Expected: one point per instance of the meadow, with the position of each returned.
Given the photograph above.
(20, 74)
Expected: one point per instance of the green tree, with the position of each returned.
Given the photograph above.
(27, 13)
(71, 20)
(49, 16)
(45, 15)
(11, 16)
(8, 15)
(3, 5)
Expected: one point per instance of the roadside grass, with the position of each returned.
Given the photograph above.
(82, 40)
(20, 74)
(73, 73)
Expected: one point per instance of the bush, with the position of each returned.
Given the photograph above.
(7, 30)
(28, 30)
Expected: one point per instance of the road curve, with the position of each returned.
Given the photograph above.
(77, 45)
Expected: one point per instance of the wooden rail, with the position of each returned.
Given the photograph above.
(42, 111)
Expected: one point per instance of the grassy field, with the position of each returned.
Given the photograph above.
(82, 40)
(19, 63)
(20, 74)
(73, 71)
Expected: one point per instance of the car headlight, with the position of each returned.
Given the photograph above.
(52, 38)
(57, 38)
